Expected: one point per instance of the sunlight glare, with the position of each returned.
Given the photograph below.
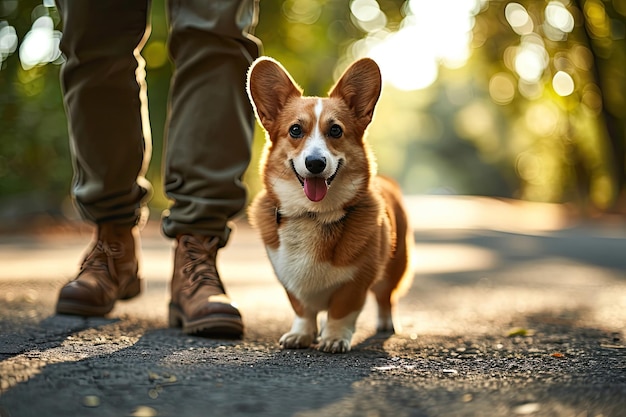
(405, 71)
(432, 33)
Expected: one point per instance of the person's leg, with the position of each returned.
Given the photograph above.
(103, 81)
(209, 137)
(104, 94)
(211, 122)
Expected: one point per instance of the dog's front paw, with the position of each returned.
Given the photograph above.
(336, 336)
(294, 340)
(334, 345)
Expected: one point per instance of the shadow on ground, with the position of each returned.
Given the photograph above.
(105, 367)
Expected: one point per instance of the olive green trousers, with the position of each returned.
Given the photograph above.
(210, 122)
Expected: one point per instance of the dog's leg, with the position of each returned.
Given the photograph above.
(344, 309)
(396, 278)
(383, 292)
(304, 328)
(387, 290)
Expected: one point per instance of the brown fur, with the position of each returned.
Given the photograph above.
(329, 253)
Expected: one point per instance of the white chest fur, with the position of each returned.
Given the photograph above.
(298, 267)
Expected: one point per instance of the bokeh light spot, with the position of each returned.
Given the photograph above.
(502, 88)
(597, 20)
(531, 91)
(592, 98)
(531, 59)
(518, 18)
(302, 11)
(542, 118)
(563, 83)
(602, 191)
(41, 44)
(155, 54)
(474, 120)
(581, 57)
(559, 17)
(528, 167)
(8, 41)
(366, 15)
(365, 10)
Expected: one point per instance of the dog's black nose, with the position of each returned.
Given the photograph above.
(315, 164)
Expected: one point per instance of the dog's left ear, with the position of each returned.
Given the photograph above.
(359, 87)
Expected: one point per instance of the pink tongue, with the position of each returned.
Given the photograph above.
(315, 188)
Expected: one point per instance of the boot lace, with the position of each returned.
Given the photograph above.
(200, 257)
(102, 257)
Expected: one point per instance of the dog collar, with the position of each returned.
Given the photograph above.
(312, 215)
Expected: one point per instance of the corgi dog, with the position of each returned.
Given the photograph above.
(332, 229)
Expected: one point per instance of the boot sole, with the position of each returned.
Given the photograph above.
(226, 326)
(76, 308)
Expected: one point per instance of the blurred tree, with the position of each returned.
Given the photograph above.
(559, 66)
(34, 162)
(605, 26)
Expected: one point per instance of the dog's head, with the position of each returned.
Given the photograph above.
(315, 142)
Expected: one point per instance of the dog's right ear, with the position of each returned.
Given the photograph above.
(270, 87)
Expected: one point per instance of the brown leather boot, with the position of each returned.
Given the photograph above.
(108, 274)
(199, 303)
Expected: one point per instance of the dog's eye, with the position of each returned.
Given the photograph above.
(295, 131)
(335, 131)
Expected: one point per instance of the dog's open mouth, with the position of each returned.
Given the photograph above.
(315, 188)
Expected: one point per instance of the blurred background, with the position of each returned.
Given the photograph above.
(522, 100)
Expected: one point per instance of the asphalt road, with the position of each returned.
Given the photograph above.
(514, 311)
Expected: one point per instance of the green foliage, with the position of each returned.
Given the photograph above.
(33, 146)
(566, 144)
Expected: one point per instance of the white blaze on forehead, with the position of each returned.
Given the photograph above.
(318, 110)
(316, 142)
